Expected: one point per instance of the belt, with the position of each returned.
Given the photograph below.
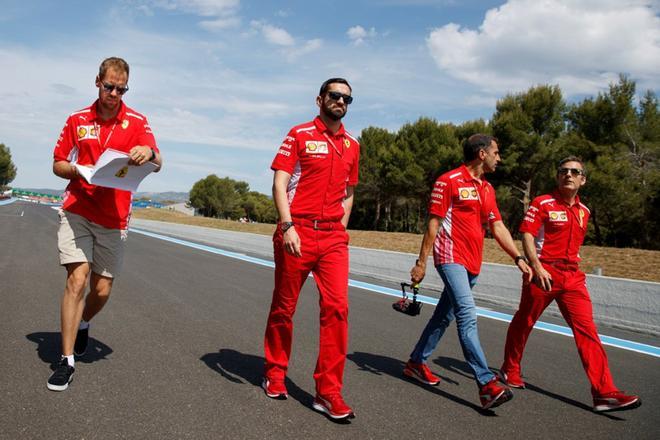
(562, 265)
(319, 225)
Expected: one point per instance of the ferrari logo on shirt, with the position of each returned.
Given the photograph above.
(468, 193)
(581, 218)
(557, 216)
(316, 147)
(347, 143)
(124, 124)
(122, 172)
(86, 132)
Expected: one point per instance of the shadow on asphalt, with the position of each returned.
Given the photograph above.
(238, 367)
(49, 348)
(568, 400)
(379, 365)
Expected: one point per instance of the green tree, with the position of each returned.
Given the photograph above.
(7, 167)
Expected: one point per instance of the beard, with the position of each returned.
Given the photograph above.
(334, 115)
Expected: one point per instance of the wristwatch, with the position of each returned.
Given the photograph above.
(521, 257)
(285, 226)
(153, 155)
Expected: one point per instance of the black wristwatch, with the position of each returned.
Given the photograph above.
(153, 155)
(285, 226)
(521, 257)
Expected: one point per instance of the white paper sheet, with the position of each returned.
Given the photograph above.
(113, 171)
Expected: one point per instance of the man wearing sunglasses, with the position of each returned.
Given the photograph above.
(462, 205)
(316, 170)
(94, 220)
(553, 231)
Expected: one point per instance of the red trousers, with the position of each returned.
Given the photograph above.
(570, 291)
(325, 254)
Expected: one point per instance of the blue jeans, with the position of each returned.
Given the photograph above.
(456, 301)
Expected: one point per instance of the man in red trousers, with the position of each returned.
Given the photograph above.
(553, 231)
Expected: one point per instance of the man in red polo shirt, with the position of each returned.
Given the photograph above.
(316, 170)
(462, 205)
(93, 219)
(553, 231)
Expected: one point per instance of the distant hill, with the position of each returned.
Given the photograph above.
(153, 196)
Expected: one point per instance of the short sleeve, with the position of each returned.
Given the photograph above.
(287, 154)
(440, 197)
(146, 137)
(66, 142)
(493, 212)
(534, 218)
(353, 175)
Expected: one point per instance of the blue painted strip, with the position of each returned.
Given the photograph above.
(544, 326)
(8, 201)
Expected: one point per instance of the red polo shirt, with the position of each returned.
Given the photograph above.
(558, 229)
(466, 206)
(83, 139)
(321, 164)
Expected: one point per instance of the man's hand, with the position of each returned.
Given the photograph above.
(417, 273)
(524, 268)
(291, 242)
(140, 155)
(542, 277)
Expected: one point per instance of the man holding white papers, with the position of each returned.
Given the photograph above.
(94, 219)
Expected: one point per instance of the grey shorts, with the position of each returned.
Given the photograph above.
(81, 241)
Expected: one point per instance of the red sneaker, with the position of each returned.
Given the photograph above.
(275, 389)
(511, 379)
(492, 394)
(420, 372)
(615, 401)
(334, 406)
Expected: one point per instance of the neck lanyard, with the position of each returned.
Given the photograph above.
(98, 134)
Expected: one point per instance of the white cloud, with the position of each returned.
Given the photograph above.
(205, 8)
(359, 35)
(273, 34)
(580, 45)
(220, 23)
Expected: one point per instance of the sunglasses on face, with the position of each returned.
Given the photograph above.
(110, 87)
(574, 171)
(336, 96)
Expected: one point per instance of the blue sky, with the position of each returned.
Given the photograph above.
(222, 81)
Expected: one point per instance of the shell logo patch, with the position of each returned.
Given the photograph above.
(316, 147)
(468, 193)
(86, 132)
(557, 216)
(124, 124)
(122, 172)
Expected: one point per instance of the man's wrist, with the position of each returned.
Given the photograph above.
(420, 263)
(153, 154)
(521, 258)
(285, 226)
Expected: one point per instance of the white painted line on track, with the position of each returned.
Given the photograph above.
(544, 326)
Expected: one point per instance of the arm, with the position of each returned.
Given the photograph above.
(504, 239)
(141, 154)
(65, 169)
(290, 238)
(348, 205)
(418, 271)
(543, 277)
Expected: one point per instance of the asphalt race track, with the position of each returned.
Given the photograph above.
(177, 353)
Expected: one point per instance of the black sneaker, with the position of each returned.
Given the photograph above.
(61, 377)
(82, 340)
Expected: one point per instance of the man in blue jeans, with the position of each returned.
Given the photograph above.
(462, 204)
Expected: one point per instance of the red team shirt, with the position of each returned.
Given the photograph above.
(466, 206)
(558, 229)
(83, 139)
(321, 165)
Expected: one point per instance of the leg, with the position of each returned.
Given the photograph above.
(99, 292)
(575, 306)
(442, 316)
(459, 283)
(290, 274)
(72, 304)
(331, 276)
(533, 301)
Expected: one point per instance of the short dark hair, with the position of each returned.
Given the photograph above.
(572, 159)
(113, 63)
(474, 143)
(326, 84)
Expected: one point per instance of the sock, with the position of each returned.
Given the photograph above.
(69, 360)
(83, 324)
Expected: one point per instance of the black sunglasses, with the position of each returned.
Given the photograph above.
(110, 87)
(336, 95)
(574, 171)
